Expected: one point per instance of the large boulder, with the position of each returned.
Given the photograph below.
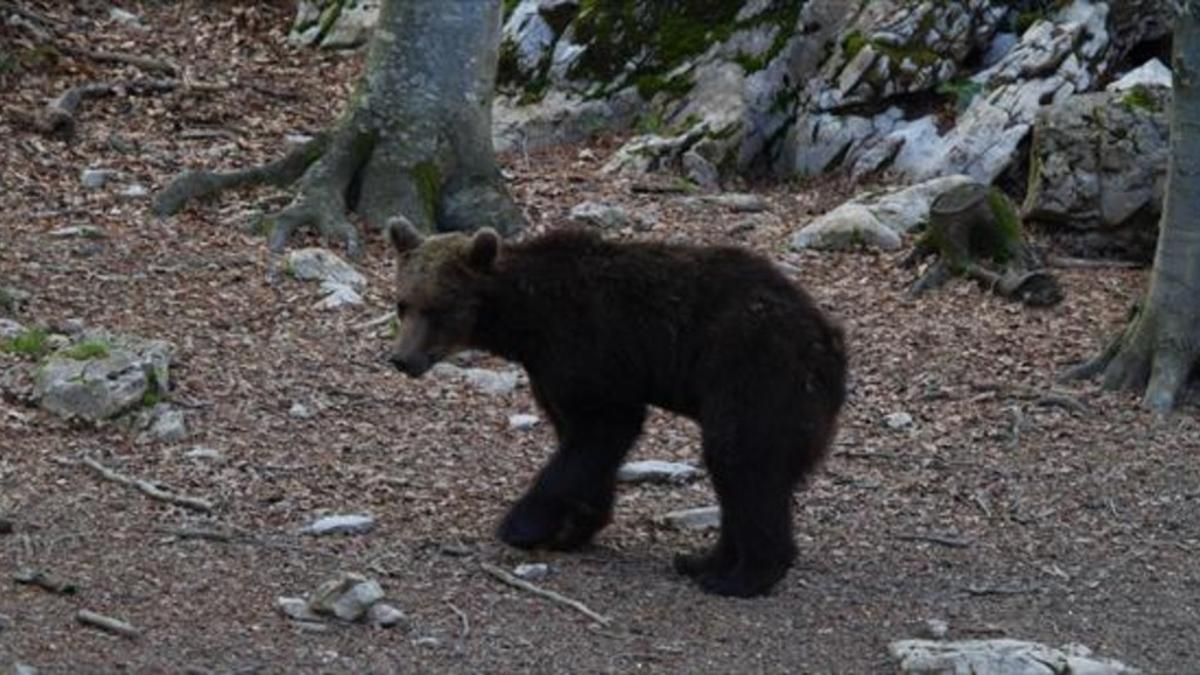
(334, 24)
(102, 376)
(1098, 166)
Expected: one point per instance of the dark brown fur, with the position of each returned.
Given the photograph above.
(605, 329)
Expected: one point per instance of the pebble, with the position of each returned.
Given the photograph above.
(341, 524)
(898, 420)
(203, 452)
(135, 191)
(94, 179)
(532, 571)
(384, 615)
(523, 422)
(656, 471)
(348, 596)
(296, 609)
(696, 520)
(299, 411)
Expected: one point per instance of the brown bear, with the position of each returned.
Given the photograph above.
(605, 329)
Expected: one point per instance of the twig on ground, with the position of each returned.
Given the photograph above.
(150, 65)
(377, 321)
(107, 623)
(1040, 397)
(147, 488)
(1002, 590)
(944, 540)
(1018, 422)
(466, 623)
(1085, 263)
(517, 582)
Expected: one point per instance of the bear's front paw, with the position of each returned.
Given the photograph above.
(529, 525)
(741, 582)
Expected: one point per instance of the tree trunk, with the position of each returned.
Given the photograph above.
(414, 141)
(1159, 348)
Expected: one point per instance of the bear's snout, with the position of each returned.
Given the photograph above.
(413, 365)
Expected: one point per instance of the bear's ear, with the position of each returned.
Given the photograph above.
(485, 246)
(402, 234)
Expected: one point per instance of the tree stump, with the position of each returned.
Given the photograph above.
(975, 232)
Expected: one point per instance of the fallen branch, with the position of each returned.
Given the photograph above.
(1001, 590)
(58, 117)
(517, 582)
(145, 63)
(377, 321)
(107, 623)
(466, 623)
(944, 540)
(147, 488)
(1086, 264)
(1040, 397)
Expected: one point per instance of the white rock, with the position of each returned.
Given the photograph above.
(94, 179)
(898, 420)
(490, 381)
(606, 216)
(123, 17)
(532, 571)
(10, 329)
(299, 411)
(1150, 74)
(656, 471)
(106, 385)
(999, 657)
(522, 422)
(135, 191)
(355, 523)
(169, 424)
(318, 264)
(78, 231)
(347, 596)
(936, 629)
(846, 226)
(339, 295)
(201, 452)
(296, 609)
(698, 519)
(384, 615)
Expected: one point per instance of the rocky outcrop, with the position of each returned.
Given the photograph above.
(102, 376)
(1099, 163)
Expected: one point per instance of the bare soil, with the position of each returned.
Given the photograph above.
(1000, 511)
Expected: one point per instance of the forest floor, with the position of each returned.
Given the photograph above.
(997, 511)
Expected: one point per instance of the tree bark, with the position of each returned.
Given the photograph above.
(415, 139)
(1159, 348)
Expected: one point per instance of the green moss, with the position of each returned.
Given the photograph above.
(1027, 18)
(650, 123)
(1139, 98)
(31, 342)
(852, 44)
(428, 180)
(962, 90)
(917, 53)
(154, 393)
(88, 349)
(1008, 226)
(509, 6)
(650, 84)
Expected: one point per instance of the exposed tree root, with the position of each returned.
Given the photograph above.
(150, 65)
(58, 117)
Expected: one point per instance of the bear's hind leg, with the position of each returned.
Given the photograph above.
(572, 498)
(754, 488)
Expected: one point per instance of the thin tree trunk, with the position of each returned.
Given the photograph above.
(415, 139)
(1160, 347)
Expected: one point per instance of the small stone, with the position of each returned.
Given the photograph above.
(299, 411)
(5, 622)
(384, 615)
(428, 641)
(656, 471)
(698, 519)
(935, 629)
(898, 420)
(700, 171)
(738, 202)
(318, 264)
(135, 191)
(586, 155)
(204, 453)
(605, 216)
(490, 381)
(169, 425)
(78, 231)
(532, 571)
(94, 179)
(523, 422)
(339, 295)
(57, 341)
(72, 326)
(123, 17)
(355, 523)
(10, 329)
(296, 609)
(348, 596)
(24, 669)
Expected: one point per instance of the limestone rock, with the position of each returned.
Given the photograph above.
(318, 264)
(347, 596)
(334, 24)
(999, 657)
(1100, 165)
(1150, 74)
(10, 329)
(656, 471)
(107, 382)
(356, 523)
(698, 519)
(605, 216)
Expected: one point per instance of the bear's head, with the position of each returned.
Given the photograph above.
(437, 292)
